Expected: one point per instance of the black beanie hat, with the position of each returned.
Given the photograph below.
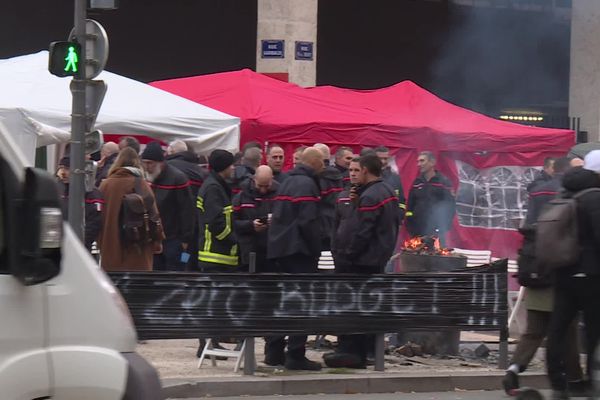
(220, 160)
(153, 152)
(65, 162)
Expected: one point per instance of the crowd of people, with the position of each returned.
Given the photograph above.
(229, 213)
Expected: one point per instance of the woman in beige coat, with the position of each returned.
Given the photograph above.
(120, 181)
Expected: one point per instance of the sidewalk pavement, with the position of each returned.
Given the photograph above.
(177, 364)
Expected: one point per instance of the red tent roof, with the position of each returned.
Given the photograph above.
(400, 116)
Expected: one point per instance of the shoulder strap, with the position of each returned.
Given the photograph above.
(579, 194)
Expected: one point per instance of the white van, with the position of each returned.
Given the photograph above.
(65, 332)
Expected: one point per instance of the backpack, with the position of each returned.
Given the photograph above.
(557, 233)
(138, 225)
(530, 272)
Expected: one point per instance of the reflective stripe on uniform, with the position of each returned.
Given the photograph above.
(216, 258)
(200, 203)
(409, 214)
(227, 210)
(402, 206)
(207, 238)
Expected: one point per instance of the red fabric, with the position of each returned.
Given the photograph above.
(404, 117)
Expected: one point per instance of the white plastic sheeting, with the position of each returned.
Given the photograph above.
(35, 108)
(494, 198)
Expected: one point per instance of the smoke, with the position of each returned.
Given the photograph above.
(494, 58)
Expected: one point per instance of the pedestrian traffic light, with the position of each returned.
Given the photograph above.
(65, 59)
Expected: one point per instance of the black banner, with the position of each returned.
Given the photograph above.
(189, 305)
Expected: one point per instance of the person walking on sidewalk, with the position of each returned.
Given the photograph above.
(539, 299)
(295, 244)
(576, 287)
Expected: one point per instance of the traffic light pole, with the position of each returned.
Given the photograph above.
(78, 125)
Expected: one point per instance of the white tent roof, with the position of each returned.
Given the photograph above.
(35, 107)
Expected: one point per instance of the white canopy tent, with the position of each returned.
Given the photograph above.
(35, 108)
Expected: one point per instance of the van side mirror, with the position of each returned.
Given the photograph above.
(40, 230)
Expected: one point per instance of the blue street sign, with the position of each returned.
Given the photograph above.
(304, 51)
(273, 49)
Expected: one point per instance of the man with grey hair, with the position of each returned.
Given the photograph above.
(176, 146)
(108, 155)
(343, 157)
(431, 203)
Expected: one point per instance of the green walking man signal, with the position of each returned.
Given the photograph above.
(64, 59)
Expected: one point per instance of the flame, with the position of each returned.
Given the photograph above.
(413, 243)
(418, 245)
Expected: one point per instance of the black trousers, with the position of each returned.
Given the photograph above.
(571, 295)
(296, 344)
(359, 345)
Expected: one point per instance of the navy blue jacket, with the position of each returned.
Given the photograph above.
(295, 225)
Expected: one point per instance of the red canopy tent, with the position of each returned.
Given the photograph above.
(476, 152)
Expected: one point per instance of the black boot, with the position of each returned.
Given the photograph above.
(301, 364)
(344, 360)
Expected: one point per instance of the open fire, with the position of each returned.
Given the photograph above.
(429, 245)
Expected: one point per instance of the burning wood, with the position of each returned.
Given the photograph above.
(425, 245)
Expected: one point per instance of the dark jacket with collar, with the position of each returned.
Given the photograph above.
(540, 195)
(102, 172)
(541, 178)
(431, 206)
(241, 174)
(175, 203)
(280, 176)
(345, 176)
(94, 205)
(187, 162)
(373, 240)
(217, 242)
(393, 179)
(345, 223)
(249, 205)
(330, 181)
(588, 212)
(295, 225)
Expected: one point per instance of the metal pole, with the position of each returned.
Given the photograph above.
(379, 352)
(78, 84)
(249, 356)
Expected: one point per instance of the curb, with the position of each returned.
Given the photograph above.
(342, 384)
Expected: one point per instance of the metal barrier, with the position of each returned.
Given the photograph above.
(191, 305)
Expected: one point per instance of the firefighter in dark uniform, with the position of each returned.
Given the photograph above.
(392, 178)
(94, 204)
(188, 162)
(295, 244)
(431, 203)
(275, 160)
(343, 157)
(217, 250)
(331, 184)
(365, 243)
(251, 158)
(252, 209)
(217, 246)
(345, 219)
